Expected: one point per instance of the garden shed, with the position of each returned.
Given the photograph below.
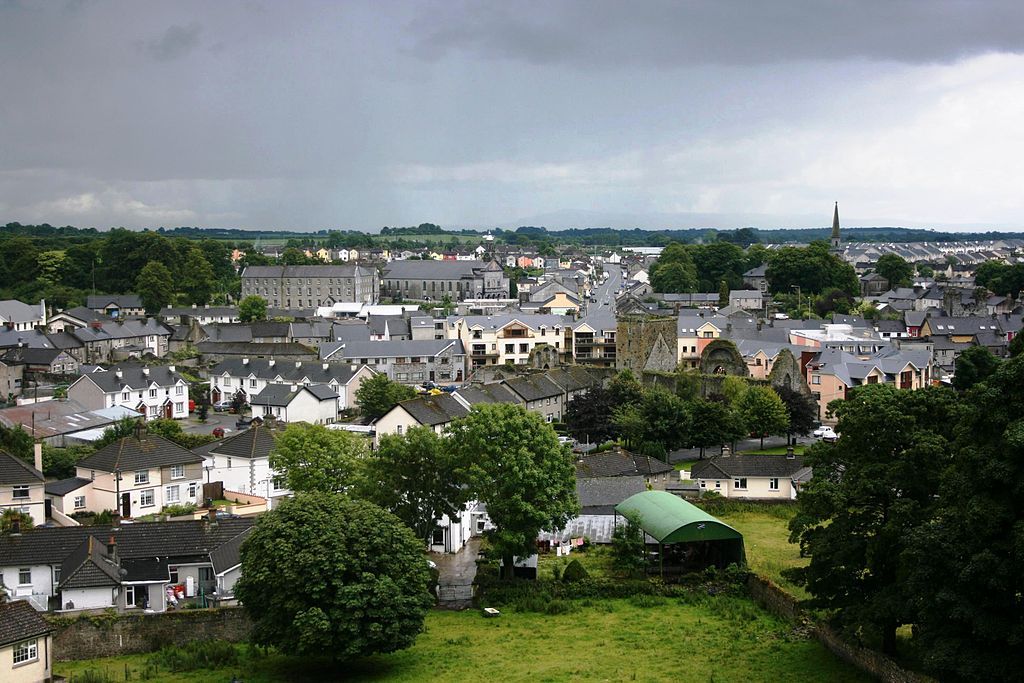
(688, 539)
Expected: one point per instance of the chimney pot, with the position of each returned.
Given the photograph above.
(145, 371)
(271, 362)
(245, 361)
(790, 455)
(298, 363)
(172, 368)
(326, 365)
(118, 373)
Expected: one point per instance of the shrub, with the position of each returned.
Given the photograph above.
(198, 654)
(647, 601)
(575, 571)
(177, 510)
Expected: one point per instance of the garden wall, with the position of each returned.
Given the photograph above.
(88, 636)
(782, 604)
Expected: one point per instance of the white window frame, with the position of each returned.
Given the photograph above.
(773, 484)
(177, 471)
(77, 500)
(129, 596)
(192, 489)
(152, 393)
(22, 571)
(143, 479)
(740, 483)
(26, 651)
(144, 494)
(179, 390)
(20, 492)
(172, 494)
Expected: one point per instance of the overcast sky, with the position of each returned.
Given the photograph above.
(310, 115)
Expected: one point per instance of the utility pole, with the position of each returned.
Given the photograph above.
(799, 307)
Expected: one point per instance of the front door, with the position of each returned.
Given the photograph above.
(168, 410)
(126, 505)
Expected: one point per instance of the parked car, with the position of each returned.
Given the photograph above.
(825, 433)
(222, 406)
(243, 422)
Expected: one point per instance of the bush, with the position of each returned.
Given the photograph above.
(198, 654)
(178, 510)
(575, 571)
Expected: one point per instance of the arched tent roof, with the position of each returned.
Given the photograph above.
(670, 519)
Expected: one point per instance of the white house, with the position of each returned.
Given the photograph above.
(21, 486)
(20, 317)
(762, 477)
(242, 463)
(315, 404)
(152, 391)
(252, 376)
(436, 412)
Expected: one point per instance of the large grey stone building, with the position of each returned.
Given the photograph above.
(430, 280)
(311, 286)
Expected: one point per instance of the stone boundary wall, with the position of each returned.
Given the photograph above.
(782, 604)
(88, 636)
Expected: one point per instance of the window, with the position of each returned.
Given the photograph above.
(25, 576)
(172, 494)
(773, 484)
(398, 430)
(152, 393)
(206, 574)
(547, 418)
(179, 407)
(152, 411)
(19, 492)
(179, 390)
(125, 396)
(227, 381)
(79, 502)
(177, 471)
(279, 483)
(27, 651)
(229, 463)
(173, 573)
(438, 536)
(740, 483)
(718, 484)
(56, 576)
(192, 490)
(815, 379)
(252, 383)
(146, 498)
(510, 348)
(142, 477)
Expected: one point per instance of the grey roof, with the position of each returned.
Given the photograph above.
(198, 311)
(354, 350)
(619, 462)
(132, 377)
(19, 621)
(600, 495)
(254, 349)
(434, 410)
(599, 321)
(12, 310)
(289, 371)
(255, 442)
(350, 330)
(31, 356)
(65, 486)
(747, 466)
(54, 418)
(494, 322)
(572, 378)
(121, 329)
(89, 566)
(118, 300)
(14, 470)
(344, 270)
(432, 270)
(229, 554)
(534, 387)
(393, 325)
(491, 392)
(132, 453)
(275, 395)
(758, 271)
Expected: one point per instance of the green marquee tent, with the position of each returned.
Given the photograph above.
(669, 519)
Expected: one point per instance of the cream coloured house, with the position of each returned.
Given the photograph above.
(21, 486)
(26, 648)
(500, 339)
(761, 477)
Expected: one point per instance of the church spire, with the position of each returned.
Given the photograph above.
(835, 228)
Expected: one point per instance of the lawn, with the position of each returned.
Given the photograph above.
(766, 541)
(707, 639)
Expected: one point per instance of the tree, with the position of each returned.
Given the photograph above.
(517, 468)
(314, 458)
(1016, 345)
(973, 365)
(895, 269)
(665, 418)
(711, 424)
(964, 566)
(628, 546)
(416, 477)
(801, 408)
(589, 417)
(813, 269)
(625, 389)
(124, 427)
(870, 490)
(924, 270)
(197, 277)
(763, 412)
(252, 309)
(155, 286)
(674, 271)
(12, 517)
(377, 395)
(324, 574)
(723, 294)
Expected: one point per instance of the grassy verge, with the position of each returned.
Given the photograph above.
(723, 639)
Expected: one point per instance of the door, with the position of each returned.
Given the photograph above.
(126, 505)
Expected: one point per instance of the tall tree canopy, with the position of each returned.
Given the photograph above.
(973, 365)
(378, 395)
(252, 309)
(894, 268)
(517, 467)
(155, 286)
(674, 271)
(326, 576)
(763, 412)
(813, 268)
(314, 458)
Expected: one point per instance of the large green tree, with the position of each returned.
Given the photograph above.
(966, 564)
(894, 268)
(314, 458)
(517, 467)
(870, 490)
(417, 477)
(589, 417)
(813, 269)
(378, 395)
(674, 271)
(801, 408)
(763, 412)
(155, 286)
(973, 365)
(197, 277)
(326, 576)
(252, 309)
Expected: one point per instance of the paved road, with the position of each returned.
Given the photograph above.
(456, 572)
(213, 420)
(605, 293)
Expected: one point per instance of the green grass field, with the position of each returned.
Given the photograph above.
(716, 639)
(766, 541)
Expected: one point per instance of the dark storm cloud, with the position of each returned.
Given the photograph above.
(175, 42)
(670, 33)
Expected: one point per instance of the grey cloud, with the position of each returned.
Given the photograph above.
(176, 41)
(670, 33)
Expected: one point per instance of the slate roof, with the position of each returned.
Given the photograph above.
(600, 495)
(15, 471)
(65, 486)
(346, 270)
(496, 322)
(571, 378)
(132, 454)
(747, 466)
(434, 410)
(275, 395)
(407, 348)
(261, 368)
(122, 329)
(255, 442)
(229, 554)
(20, 621)
(88, 566)
(432, 270)
(251, 349)
(119, 300)
(16, 311)
(490, 392)
(133, 377)
(534, 387)
(619, 462)
(32, 356)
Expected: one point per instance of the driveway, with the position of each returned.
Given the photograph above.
(213, 420)
(456, 572)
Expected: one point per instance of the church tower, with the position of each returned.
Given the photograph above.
(835, 231)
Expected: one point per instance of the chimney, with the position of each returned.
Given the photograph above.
(295, 387)
(298, 363)
(118, 373)
(172, 368)
(245, 361)
(96, 324)
(145, 372)
(16, 526)
(271, 362)
(326, 365)
(790, 455)
(726, 450)
(211, 517)
(112, 548)
(37, 451)
(353, 367)
(193, 306)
